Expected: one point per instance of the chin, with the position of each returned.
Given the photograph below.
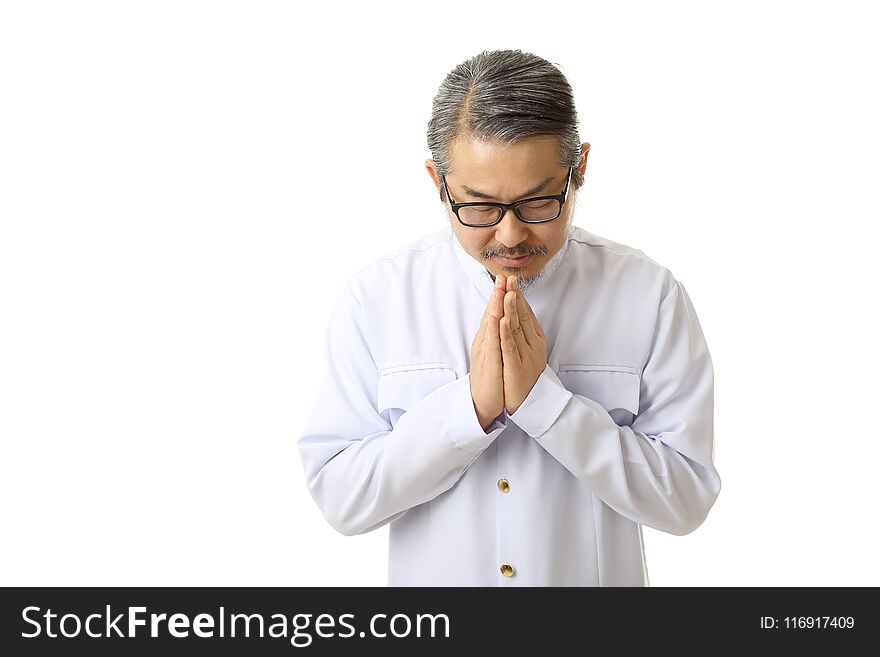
(525, 272)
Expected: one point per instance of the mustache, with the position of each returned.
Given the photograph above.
(513, 254)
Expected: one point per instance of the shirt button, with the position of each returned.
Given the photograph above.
(504, 485)
(507, 570)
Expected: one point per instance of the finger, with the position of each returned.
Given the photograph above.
(509, 351)
(534, 319)
(484, 319)
(493, 362)
(479, 339)
(497, 302)
(492, 343)
(528, 313)
(525, 316)
(488, 307)
(511, 311)
(528, 319)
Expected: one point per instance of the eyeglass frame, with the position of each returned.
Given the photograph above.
(561, 198)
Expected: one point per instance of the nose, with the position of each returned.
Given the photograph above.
(510, 231)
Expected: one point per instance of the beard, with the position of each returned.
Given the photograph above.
(525, 282)
(528, 282)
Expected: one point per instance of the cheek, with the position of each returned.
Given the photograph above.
(470, 241)
(474, 246)
(553, 240)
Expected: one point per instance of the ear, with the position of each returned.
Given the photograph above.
(435, 176)
(432, 171)
(585, 151)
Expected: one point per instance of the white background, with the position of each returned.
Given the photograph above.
(184, 186)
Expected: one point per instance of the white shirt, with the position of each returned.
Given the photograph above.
(616, 433)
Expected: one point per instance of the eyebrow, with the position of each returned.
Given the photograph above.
(532, 191)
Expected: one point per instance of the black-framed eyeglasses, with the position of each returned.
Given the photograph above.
(535, 210)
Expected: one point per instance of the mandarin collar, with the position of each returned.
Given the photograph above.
(482, 277)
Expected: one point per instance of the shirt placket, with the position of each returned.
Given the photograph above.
(504, 489)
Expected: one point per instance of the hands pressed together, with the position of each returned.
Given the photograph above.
(508, 353)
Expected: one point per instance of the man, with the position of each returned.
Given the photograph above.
(516, 396)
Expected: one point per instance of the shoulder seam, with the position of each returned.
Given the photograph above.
(637, 253)
(400, 252)
(351, 291)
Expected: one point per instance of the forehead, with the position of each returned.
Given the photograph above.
(477, 162)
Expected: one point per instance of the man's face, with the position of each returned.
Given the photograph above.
(491, 171)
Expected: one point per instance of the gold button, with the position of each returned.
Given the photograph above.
(507, 570)
(504, 485)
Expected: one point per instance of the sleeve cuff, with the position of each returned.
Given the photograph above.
(543, 405)
(460, 417)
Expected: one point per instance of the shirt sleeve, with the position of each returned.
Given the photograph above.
(660, 471)
(360, 471)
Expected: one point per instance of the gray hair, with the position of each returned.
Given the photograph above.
(506, 96)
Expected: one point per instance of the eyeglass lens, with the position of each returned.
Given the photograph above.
(532, 211)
